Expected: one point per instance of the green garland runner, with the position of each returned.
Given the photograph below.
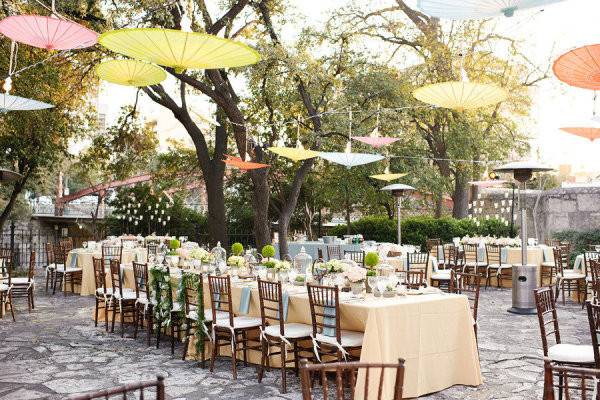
(163, 297)
(194, 282)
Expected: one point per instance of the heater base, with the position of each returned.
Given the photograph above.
(522, 311)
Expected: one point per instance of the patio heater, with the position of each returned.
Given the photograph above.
(7, 176)
(524, 276)
(398, 190)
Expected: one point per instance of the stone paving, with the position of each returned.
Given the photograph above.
(56, 351)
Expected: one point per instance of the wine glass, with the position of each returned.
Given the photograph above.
(381, 284)
(372, 281)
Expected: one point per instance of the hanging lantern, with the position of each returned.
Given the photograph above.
(178, 49)
(131, 73)
(588, 133)
(580, 67)
(477, 9)
(50, 33)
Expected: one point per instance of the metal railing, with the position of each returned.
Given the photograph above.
(81, 210)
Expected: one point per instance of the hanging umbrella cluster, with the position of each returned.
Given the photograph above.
(477, 9)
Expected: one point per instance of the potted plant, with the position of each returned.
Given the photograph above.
(371, 261)
(300, 280)
(268, 252)
(237, 249)
(271, 271)
(235, 263)
(172, 256)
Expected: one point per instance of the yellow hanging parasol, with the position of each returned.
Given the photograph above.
(131, 73)
(460, 95)
(178, 49)
(387, 176)
(294, 153)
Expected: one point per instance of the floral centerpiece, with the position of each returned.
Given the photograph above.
(200, 256)
(485, 240)
(173, 255)
(283, 268)
(356, 276)
(236, 261)
(371, 261)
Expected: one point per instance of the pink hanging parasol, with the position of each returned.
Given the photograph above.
(376, 141)
(50, 33)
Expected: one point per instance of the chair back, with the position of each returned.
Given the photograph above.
(573, 382)
(271, 304)
(468, 285)
(560, 261)
(50, 253)
(470, 253)
(152, 249)
(432, 246)
(191, 296)
(135, 390)
(593, 311)
(415, 279)
(319, 253)
(115, 277)
(494, 254)
(547, 317)
(99, 275)
(66, 244)
(452, 256)
(374, 377)
(111, 252)
(324, 304)
(140, 276)
(334, 252)
(6, 265)
(587, 257)
(358, 256)
(417, 261)
(31, 267)
(594, 269)
(220, 296)
(552, 242)
(60, 255)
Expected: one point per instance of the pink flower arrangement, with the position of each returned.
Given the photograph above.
(183, 253)
(355, 274)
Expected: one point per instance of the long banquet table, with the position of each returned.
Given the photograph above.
(432, 332)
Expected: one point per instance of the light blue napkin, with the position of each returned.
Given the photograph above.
(481, 254)
(504, 255)
(73, 260)
(329, 319)
(548, 253)
(440, 253)
(245, 300)
(285, 297)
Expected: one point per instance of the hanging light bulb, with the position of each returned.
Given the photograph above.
(7, 86)
(348, 148)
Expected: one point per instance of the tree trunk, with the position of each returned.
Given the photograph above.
(282, 229)
(261, 196)
(217, 218)
(460, 196)
(348, 211)
(11, 201)
(438, 202)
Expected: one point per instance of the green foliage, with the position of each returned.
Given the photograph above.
(371, 259)
(416, 230)
(184, 283)
(269, 264)
(579, 240)
(237, 248)
(268, 251)
(174, 244)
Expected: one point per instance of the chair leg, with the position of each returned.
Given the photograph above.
(263, 356)
(136, 320)
(96, 313)
(213, 353)
(173, 336)
(72, 285)
(296, 368)
(122, 317)
(106, 315)
(283, 369)
(158, 328)
(32, 298)
(245, 345)
(150, 322)
(114, 314)
(234, 356)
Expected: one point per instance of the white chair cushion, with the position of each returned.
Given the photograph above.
(61, 268)
(240, 322)
(20, 281)
(441, 275)
(176, 307)
(349, 338)
(571, 353)
(292, 330)
(128, 294)
(498, 266)
(571, 275)
(53, 266)
(101, 292)
(193, 315)
(475, 264)
(547, 264)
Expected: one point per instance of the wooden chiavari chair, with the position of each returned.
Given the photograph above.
(232, 330)
(358, 256)
(326, 328)
(63, 274)
(124, 300)
(414, 279)
(469, 285)
(102, 294)
(275, 332)
(351, 370)
(593, 311)
(495, 266)
(588, 257)
(152, 249)
(128, 391)
(6, 287)
(567, 278)
(432, 246)
(176, 326)
(569, 354)
(472, 263)
(418, 262)
(144, 303)
(50, 266)
(595, 271)
(453, 257)
(573, 382)
(334, 252)
(111, 252)
(552, 242)
(23, 287)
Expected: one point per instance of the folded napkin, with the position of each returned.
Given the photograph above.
(73, 263)
(548, 253)
(504, 255)
(329, 319)
(245, 300)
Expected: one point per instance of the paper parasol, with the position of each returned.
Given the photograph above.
(475, 9)
(460, 95)
(588, 133)
(388, 177)
(349, 159)
(49, 33)
(580, 67)
(237, 162)
(178, 49)
(294, 153)
(375, 140)
(131, 73)
(9, 102)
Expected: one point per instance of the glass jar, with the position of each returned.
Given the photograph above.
(302, 262)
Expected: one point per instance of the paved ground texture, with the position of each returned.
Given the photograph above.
(55, 351)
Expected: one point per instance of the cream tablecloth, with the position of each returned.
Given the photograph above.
(82, 258)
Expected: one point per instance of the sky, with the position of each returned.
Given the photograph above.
(545, 35)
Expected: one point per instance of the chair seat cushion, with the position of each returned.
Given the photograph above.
(349, 338)
(68, 270)
(54, 266)
(20, 281)
(291, 330)
(547, 264)
(193, 315)
(475, 264)
(571, 353)
(498, 266)
(101, 292)
(240, 322)
(128, 294)
(441, 275)
(4, 287)
(568, 274)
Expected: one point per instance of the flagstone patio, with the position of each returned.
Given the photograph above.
(56, 351)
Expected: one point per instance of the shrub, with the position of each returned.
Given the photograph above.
(371, 259)
(237, 249)
(174, 244)
(268, 251)
(580, 240)
(416, 230)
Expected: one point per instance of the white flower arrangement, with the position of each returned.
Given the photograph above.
(355, 274)
(200, 254)
(503, 241)
(335, 266)
(283, 266)
(236, 261)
